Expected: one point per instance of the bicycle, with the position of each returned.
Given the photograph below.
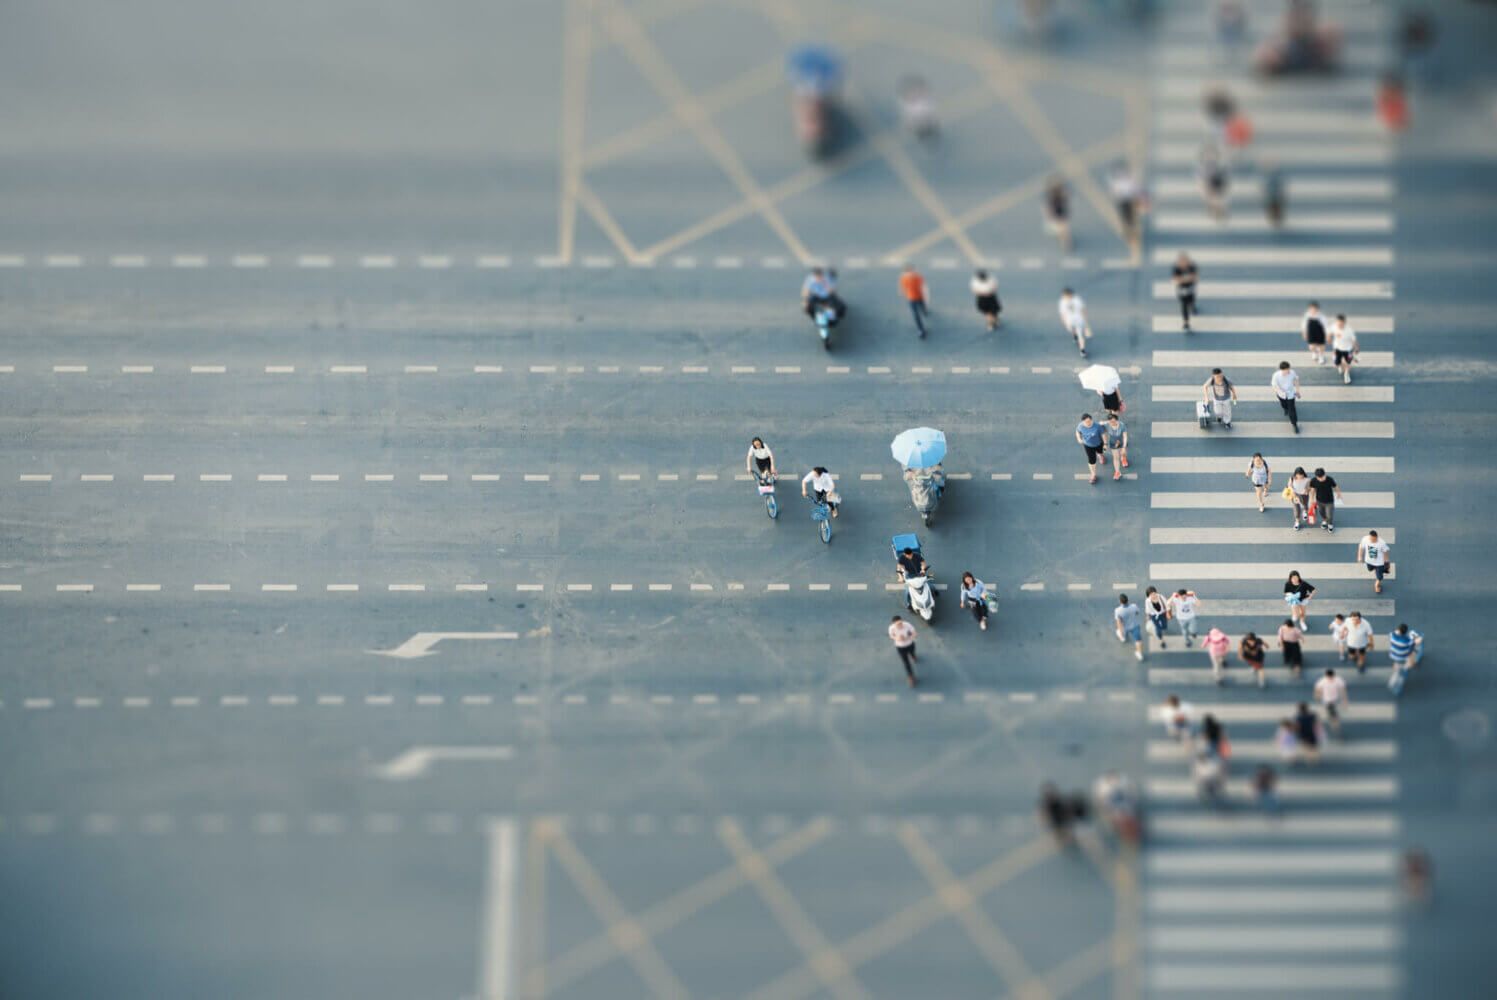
(766, 490)
(821, 514)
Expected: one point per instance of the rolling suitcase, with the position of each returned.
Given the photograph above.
(1204, 416)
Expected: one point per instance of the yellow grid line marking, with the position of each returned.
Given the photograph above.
(576, 48)
(606, 221)
(533, 928)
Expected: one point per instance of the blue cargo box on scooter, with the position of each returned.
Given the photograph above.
(902, 542)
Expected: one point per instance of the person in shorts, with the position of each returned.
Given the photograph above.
(1312, 328)
(1117, 444)
(985, 293)
(1373, 553)
(1128, 621)
(1291, 642)
(1358, 640)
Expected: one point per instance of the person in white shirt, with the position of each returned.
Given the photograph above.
(1344, 343)
(760, 460)
(1285, 384)
(824, 486)
(1312, 328)
(1358, 640)
(902, 634)
(1128, 199)
(1373, 553)
(1184, 606)
(1073, 318)
(1178, 717)
(985, 292)
(1338, 636)
(1330, 692)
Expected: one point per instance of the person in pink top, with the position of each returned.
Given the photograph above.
(1216, 645)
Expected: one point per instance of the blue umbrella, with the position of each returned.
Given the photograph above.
(919, 447)
(815, 67)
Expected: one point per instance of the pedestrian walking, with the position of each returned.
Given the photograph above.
(1128, 621)
(1373, 553)
(1344, 343)
(912, 287)
(1184, 608)
(1312, 328)
(1286, 743)
(1308, 731)
(1298, 494)
(1252, 651)
(1210, 776)
(1220, 394)
(1216, 645)
(1291, 643)
(1112, 400)
(1178, 717)
(902, 634)
(1058, 812)
(975, 593)
(1261, 476)
(1405, 646)
(1214, 737)
(1275, 203)
(1325, 492)
(1359, 640)
(1073, 317)
(1158, 610)
(1128, 200)
(1297, 594)
(985, 291)
(1338, 636)
(1211, 172)
(1117, 444)
(1265, 789)
(1330, 692)
(1090, 436)
(1184, 275)
(1285, 384)
(917, 109)
(1058, 212)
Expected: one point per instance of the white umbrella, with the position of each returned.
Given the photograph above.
(1100, 378)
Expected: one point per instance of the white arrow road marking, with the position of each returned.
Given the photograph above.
(416, 761)
(421, 643)
(496, 946)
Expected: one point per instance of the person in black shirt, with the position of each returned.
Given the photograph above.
(1326, 494)
(911, 563)
(1184, 274)
(1297, 593)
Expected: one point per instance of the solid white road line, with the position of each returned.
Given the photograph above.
(1317, 939)
(1317, 571)
(1275, 122)
(1196, 464)
(1336, 826)
(1180, 862)
(1214, 978)
(1289, 789)
(497, 921)
(1296, 223)
(1310, 394)
(1284, 535)
(1264, 750)
(1289, 154)
(1267, 361)
(1277, 429)
(1232, 899)
(1285, 322)
(1320, 290)
(1245, 500)
(1274, 712)
(1226, 256)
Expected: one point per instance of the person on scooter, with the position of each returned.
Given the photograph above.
(910, 563)
(819, 289)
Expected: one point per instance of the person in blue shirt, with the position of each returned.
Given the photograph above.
(1128, 621)
(1405, 646)
(1090, 435)
(821, 286)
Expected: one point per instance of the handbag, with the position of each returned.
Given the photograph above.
(1288, 493)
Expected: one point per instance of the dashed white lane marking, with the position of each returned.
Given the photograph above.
(377, 261)
(271, 477)
(249, 260)
(342, 588)
(314, 260)
(349, 369)
(433, 477)
(1078, 586)
(208, 369)
(379, 477)
(1043, 476)
(278, 588)
(143, 587)
(420, 369)
(216, 477)
(280, 369)
(70, 369)
(75, 588)
(579, 587)
(62, 260)
(537, 477)
(12, 260)
(215, 588)
(137, 369)
(487, 369)
(189, 260)
(129, 260)
(433, 262)
(1034, 585)
(36, 477)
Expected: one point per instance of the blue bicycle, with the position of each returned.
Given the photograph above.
(821, 514)
(766, 490)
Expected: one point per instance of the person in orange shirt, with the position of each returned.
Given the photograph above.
(912, 287)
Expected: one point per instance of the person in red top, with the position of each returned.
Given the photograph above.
(912, 287)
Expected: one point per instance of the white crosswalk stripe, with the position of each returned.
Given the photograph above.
(1275, 571)
(1296, 290)
(1284, 535)
(1285, 322)
(1244, 500)
(1290, 154)
(1334, 393)
(1235, 466)
(1266, 361)
(1352, 187)
(1307, 222)
(1376, 429)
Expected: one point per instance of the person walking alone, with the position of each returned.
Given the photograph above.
(1261, 476)
(1312, 328)
(1129, 623)
(902, 634)
(1058, 212)
(1184, 607)
(1211, 171)
(1325, 491)
(1373, 553)
(1297, 594)
(1216, 645)
(1158, 610)
(1330, 692)
(1405, 646)
(1252, 652)
(1358, 640)
(985, 292)
(1285, 384)
(1090, 436)
(1220, 394)
(912, 287)
(1184, 275)
(1128, 200)
(1344, 343)
(1072, 309)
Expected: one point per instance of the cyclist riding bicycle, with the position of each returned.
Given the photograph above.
(823, 485)
(760, 461)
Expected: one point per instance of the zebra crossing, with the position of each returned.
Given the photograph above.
(1299, 897)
